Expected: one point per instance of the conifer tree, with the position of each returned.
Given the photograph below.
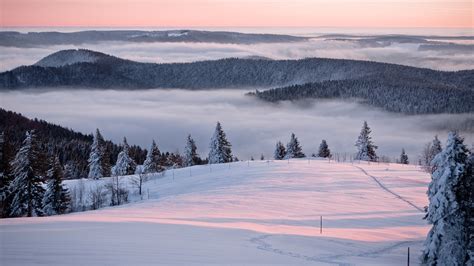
(280, 151)
(262, 157)
(2, 166)
(190, 152)
(429, 152)
(404, 157)
(106, 158)
(96, 159)
(436, 146)
(447, 241)
(220, 148)
(468, 206)
(125, 164)
(56, 199)
(152, 162)
(324, 151)
(293, 148)
(26, 188)
(365, 146)
(6, 157)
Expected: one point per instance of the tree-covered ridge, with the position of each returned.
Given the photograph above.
(111, 72)
(71, 147)
(394, 93)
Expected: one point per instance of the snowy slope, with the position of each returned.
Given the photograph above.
(256, 213)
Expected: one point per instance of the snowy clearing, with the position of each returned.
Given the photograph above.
(244, 213)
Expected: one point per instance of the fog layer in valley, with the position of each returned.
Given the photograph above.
(399, 53)
(252, 126)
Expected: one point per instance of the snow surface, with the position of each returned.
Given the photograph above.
(244, 213)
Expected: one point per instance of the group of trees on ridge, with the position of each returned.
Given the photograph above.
(392, 93)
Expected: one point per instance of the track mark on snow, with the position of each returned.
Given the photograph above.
(331, 259)
(388, 190)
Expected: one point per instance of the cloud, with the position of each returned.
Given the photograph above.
(406, 54)
(253, 127)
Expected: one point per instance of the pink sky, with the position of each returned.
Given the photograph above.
(237, 13)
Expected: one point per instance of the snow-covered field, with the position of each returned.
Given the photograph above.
(256, 213)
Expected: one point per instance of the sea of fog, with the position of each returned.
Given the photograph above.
(398, 53)
(252, 126)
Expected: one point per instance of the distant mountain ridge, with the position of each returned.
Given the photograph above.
(90, 69)
(35, 39)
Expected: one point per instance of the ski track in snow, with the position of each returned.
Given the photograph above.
(390, 191)
(263, 245)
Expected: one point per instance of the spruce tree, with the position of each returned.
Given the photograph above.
(435, 149)
(106, 158)
(220, 148)
(190, 152)
(125, 164)
(324, 151)
(293, 148)
(96, 157)
(152, 162)
(280, 151)
(436, 146)
(404, 157)
(2, 166)
(365, 146)
(468, 205)
(6, 157)
(26, 188)
(447, 241)
(56, 199)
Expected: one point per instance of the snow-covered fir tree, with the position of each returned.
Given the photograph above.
(3, 176)
(447, 241)
(26, 188)
(428, 154)
(365, 146)
(469, 207)
(96, 155)
(125, 165)
(280, 151)
(293, 148)
(404, 157)
(324, 150)
(190, 152)
(152, 162)
(7, 155)
(56, 198)
(2, 141)
(220, 148)
(436, 146)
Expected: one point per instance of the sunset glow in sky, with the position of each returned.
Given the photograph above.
(236, 13)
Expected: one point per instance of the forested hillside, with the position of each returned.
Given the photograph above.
(96, 70)
(390, 92)
(71, 147)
